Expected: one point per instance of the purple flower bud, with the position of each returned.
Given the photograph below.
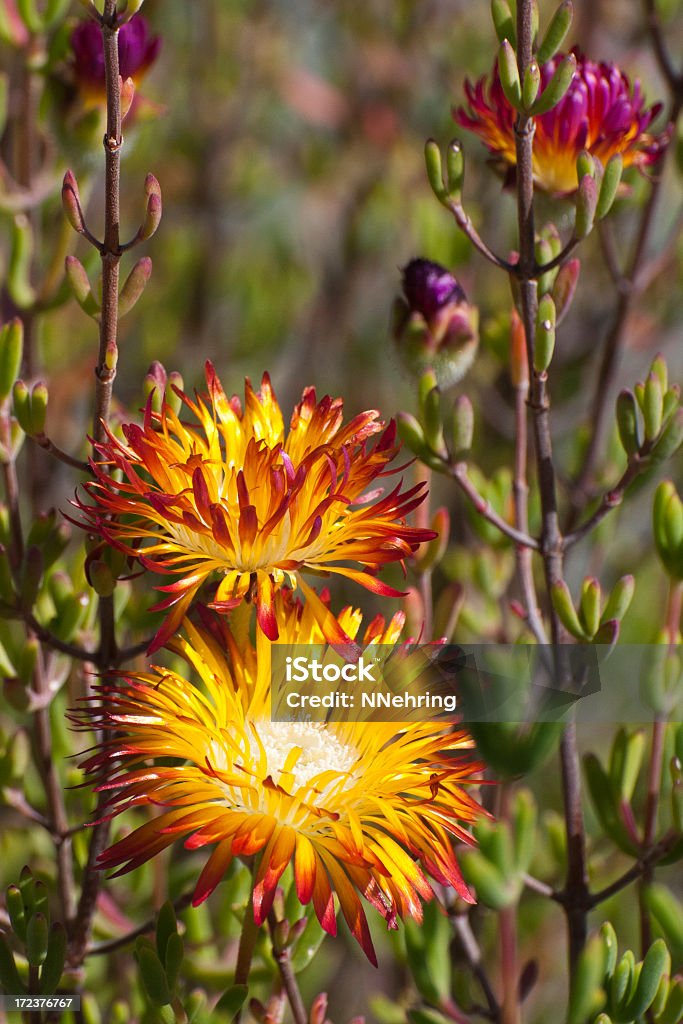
(428, 287)
(138, 50)
(434, 326)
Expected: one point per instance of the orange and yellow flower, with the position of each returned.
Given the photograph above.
(354, 807)
(235, 497)
(601, 112)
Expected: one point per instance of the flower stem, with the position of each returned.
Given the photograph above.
(551, 536)
(289, 982)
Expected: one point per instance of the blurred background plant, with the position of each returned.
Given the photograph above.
(287, 140)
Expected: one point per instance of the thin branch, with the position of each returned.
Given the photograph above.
(557, 261)
(48, 638)
(637, 870)
(654, 27)
(458, 471)
(541, 888)
(51, 448)
(551, 535)
(289, 982)
(470, 946)
(467, 227)
(103, 948)
(612, 499)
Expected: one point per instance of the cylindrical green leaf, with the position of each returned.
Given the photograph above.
(232, 1000)
(432, 421)
(19, 269)
(463, 424)
(668, 912)
(71, 202)
(556, 87)
(503, 22)
(653, 407)
(586, 202)
(135, 284)
(53, 967)
(411, 433)
(11, 351)
(39, 400)
(493, 889)
(16, 911)
(152, 973)
(586, 996)
(152, 219)
(627, 422)
(167, 925)
(524, 829)
(609, 941)
(455, 169)
(509, 75)
(610, 183)
(670, 440)
(564, 606)
(36, 939)
(78, 278)
(657, 963)
(589, 606)
(619, 600)
(560, 23)
(532, 81)
(9, 975)
(173, 958)
(434, 170)
(545, 334)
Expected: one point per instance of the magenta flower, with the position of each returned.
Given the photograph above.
(600, 112)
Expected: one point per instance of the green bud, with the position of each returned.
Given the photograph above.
(503, 21)
(463, 424)
(532, 81)
(455, 169)
(628, 423)
(672, 399)
(152, 972)
(564, 606)
(411, 433)
(653, 400)
(135, 284)
(606, 803)
(55, 958)
(434, 170)
(167, 925)
(586, 997)
(78, 278)
(509, 75)
(11, 351)
(36, 939)
(18, 755)
(19, 269)
(619, 600)
(657, 963)
(560, 24)
(586, 202)
(610, 183)
(545, 334)
(556, 87)
(589, 606)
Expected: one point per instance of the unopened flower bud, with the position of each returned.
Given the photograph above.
(71, 202)
(135, 284)
(434, 325)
